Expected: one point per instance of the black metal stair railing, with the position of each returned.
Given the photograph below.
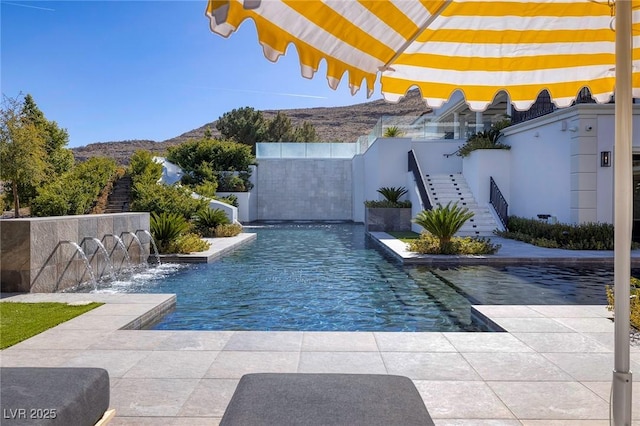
(498, 202)
(414, 168)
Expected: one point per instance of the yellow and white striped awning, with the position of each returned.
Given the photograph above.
(477, 46)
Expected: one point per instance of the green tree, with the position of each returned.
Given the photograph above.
(305, 133)
(56, 139)
(280, 129)
(243, 125)
(22, 150)
(213, 161)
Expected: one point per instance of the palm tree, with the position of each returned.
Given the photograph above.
(392, 194)
(393, 132)
(443, 222)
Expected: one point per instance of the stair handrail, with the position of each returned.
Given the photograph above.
(414, 168)
(453, 153)
(500, 205)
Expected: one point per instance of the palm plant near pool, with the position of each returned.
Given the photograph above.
(443, 222)
(392, 194)
(207, 220)
(166, 228)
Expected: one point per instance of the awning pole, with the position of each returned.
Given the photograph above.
(623, 199)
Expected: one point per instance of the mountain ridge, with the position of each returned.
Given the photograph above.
(332, 124)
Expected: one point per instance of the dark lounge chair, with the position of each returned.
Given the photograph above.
(54, 396)
(325, 399)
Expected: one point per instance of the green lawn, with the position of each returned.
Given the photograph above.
(405, 236)
(19, 321)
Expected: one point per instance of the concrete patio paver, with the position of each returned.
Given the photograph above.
(234, 364)
(551, 400)
(171, 377)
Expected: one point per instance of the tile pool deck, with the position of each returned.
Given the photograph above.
(552, 366)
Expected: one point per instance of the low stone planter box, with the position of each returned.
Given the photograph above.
(385, 219)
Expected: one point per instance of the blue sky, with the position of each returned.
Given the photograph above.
(117, 70)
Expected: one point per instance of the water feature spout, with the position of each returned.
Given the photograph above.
(107, 258)
(153, 243)
(137, 240)
(87, 265)
(120, 244)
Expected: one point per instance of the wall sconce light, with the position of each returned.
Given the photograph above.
(563, 126)
(605, 159)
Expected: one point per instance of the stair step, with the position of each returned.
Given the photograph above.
(454, 188)
(120, 196)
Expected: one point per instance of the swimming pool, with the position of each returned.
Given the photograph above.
(322, 277)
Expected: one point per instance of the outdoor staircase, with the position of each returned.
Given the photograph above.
(120, 197)
(445, 188)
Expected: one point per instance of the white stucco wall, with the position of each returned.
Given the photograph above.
(483, 164)
(431, 156)
(555, 164)
(385, 164)
(244, 204)
(540, 171)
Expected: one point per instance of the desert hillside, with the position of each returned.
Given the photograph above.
(335, 124)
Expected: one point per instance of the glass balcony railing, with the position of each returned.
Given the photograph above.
(424, 128)
(306, 150)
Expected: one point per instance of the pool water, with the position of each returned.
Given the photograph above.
(322, 277)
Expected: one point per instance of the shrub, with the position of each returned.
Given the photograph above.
(214, 161)
(206, 189)
(430, 244)
(207, 220)
(166, 228)
(387, 204)
(230, 199)
(634, 302)
(75, 191)
(489, 139)
(143, 169)
(234, 181)
(228, 230)
(392, 194)
(161, 198)
(586, 236)
(188, 243)
(443, 222)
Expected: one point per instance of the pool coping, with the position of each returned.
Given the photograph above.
(218, 248)
(512, 252)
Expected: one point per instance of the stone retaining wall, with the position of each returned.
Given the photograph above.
(33, 259)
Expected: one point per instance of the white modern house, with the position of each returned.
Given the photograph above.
(559, 168)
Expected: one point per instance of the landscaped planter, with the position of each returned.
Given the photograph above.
(385, 219)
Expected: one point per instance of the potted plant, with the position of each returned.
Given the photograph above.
(390, 214)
